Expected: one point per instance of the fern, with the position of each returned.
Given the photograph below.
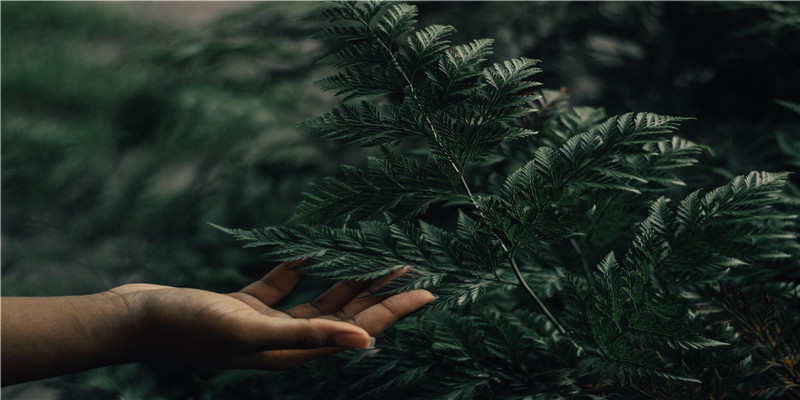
(503, 215)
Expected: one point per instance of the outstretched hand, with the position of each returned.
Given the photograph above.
(243, 330)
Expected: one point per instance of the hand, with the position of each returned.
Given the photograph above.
(242, 330)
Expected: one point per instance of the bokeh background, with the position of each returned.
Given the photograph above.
(128, 126)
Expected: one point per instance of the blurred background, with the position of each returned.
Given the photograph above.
(128, 126)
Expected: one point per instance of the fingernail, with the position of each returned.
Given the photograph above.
(354, 340)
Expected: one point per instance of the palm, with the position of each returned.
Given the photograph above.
(242, 329)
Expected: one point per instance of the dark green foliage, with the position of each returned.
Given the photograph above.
(477, 355)
(658, 286)
(483, 209)
(636, 315)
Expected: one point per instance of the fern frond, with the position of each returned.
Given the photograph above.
(394, 184)
(352, 83)
(739, 214)
(362, 12)
(506, 94)
(441, 261)
(345, 33)
(577, 120)
(364, 124)
(424, 47)
(634, 307)
(398, 20)
(356, 55)
(590, 161)
(478, 355)
(627, 368)
(458, 66)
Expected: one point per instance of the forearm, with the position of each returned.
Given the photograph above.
(49, 336)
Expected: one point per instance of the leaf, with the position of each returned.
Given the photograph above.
(424, 47)
(398, 20)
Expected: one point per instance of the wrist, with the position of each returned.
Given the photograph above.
(48, 336)
(120, 324)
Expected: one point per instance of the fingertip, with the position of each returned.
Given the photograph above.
(423, 295)
(404, 303)
(292, 265)
(355, 340)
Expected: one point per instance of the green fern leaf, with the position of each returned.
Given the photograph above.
(424, 47)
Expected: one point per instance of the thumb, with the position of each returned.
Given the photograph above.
(299, 333)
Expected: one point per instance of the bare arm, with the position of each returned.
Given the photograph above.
(43, 337)
(48, 336)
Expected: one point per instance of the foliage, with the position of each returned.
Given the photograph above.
(121, 138)
(516, 200)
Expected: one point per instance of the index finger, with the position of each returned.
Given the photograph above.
(381, 316)
(276, 284)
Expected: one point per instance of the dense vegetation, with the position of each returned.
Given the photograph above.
(578, 261)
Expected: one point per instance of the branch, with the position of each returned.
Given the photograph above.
(533, 295)
(464, 184)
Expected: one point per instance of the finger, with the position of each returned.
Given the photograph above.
(276, 284)
(275, 333)
(381, 316)
(330, 301)
(365, 299)
(345, 295)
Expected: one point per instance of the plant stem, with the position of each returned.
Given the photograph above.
(582, 257)
(536, 298)
(504, 282)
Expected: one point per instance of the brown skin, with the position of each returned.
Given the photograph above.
(48, 336)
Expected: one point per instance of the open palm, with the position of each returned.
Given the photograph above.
(243, 330)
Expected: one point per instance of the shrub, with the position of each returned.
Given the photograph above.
(568, 260)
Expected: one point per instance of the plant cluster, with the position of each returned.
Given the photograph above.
(568, 258)
(122, 137)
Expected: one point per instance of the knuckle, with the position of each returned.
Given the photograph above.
(311, 337)
(341, 315)
(391, 307)
(318, 304)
